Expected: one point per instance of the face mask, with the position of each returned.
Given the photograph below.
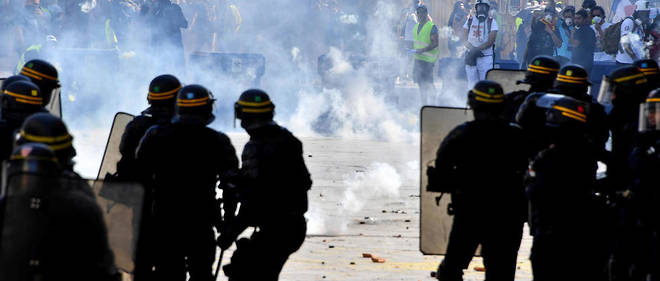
(596, 20)
(569, 21)
(548, 18)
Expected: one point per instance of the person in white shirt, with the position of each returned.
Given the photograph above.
(599, 26)
(632, 36)
(481, 32)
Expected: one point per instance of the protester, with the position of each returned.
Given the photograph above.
(583, 41)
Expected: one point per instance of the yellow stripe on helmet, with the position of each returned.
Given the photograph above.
(571, 77)
(168, 93)
(569, 81)
(254, 104)
(653, 100)
(258, 110)
(631, 77)
(489, 100)
(25, 69)
(571, 113)
(162, 97)
(538, 71)
(482, 94)
(193, 100)
(542, 68)
(43, 139)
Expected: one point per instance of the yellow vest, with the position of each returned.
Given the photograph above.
(423, 40)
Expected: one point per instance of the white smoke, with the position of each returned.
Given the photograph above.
(379, 181)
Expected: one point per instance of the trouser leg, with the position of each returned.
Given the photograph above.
(201, 254)
(500, 251)
(461, 248)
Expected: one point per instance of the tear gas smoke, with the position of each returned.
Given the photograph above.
(379, 181)
(358, 100)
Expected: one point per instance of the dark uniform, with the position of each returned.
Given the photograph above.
(645, 163)
(50, 230)
(540, 76)
(564, 217)
(161, 98)
(273, 185)
(19, 99)
(572, 81)
(184, 161)
(489, 209)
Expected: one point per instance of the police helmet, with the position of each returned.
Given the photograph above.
(542, 71)
(194, 104)
(33, 158)
(254, 104)
(48, 129)
(21, 97)
(626, 84)
(12, 79)
(163, 90)
(44, 75)
(567, 113)
(486, 96)
(572, 80)
(649, 113)
(650, 69)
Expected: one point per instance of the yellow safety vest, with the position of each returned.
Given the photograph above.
(423, 40)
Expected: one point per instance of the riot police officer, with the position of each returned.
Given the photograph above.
(560, 187)
(273, 184)
(624, 89)
(44, 75)
(184, 161)
(572, 81)
(46, 128)
(540, 76)
(651, 71)
(19, 99)
(161, 98)
(645, 162)
(489, 208)
(49, 230)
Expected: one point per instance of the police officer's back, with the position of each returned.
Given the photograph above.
(481, 164)
(624, 88)
(50, 230)
(273, 185)
(183, 162)
(161, 98)
(560, 185)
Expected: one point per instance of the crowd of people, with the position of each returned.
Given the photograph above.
(536, 154)
(177, 159)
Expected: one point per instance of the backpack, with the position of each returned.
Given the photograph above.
(611, 38)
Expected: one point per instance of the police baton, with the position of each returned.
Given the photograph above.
(217, 269)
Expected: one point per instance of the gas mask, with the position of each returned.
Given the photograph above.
(482, 11)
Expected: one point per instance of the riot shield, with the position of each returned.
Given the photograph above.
(55, 104)
(508, 78)
(435, 222)
(111, 155)
(55, 227)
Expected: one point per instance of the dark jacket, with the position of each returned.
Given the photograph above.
(274, 177)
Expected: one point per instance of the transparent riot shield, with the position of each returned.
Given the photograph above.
(2, 80)
(112, 155)
(435, 222)
(508, 78)
(68, 228)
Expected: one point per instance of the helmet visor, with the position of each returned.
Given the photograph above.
(606, 92)
(649, 116)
